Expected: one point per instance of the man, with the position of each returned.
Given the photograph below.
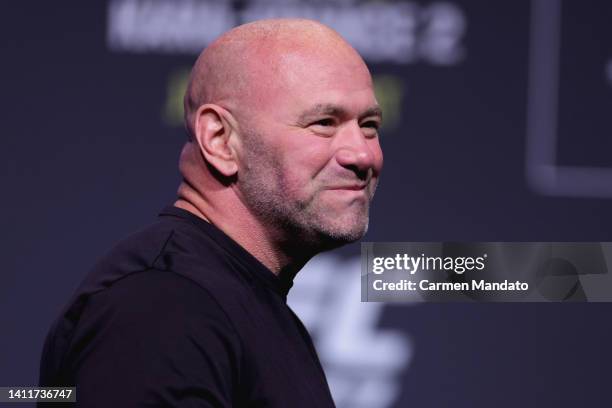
(282, 160)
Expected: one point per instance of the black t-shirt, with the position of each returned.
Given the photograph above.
(180, 315)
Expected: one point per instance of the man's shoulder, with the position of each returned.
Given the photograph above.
(164, 278)
(169, 263)
(170, 245)
(153, 300)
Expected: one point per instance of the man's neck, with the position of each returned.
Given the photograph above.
(187, 206)
(240, 225)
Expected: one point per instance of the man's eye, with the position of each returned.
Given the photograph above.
(324, 122)
(371, 124)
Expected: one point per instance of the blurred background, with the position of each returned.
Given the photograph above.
(497, 128)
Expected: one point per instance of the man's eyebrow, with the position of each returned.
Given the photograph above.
(321, 109)
(373, 111)
(335, 110)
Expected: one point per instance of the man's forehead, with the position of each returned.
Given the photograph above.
(314, 81)
(321, 63)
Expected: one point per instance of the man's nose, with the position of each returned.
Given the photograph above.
(353, 150)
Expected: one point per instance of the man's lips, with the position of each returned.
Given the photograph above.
(355, 187)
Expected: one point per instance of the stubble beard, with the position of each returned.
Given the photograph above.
(304, 222)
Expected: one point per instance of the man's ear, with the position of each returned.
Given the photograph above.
(212, 129)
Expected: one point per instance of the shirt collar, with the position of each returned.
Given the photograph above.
(281, 285)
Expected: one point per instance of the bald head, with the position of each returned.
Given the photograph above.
(240, 67)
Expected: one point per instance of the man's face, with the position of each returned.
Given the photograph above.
(311, 156)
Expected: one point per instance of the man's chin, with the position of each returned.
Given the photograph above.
(331, 238)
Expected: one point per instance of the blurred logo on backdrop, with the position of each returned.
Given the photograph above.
(364, 363)
(411, 32)
(429, 33)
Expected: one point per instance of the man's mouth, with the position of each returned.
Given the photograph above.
(356, 186)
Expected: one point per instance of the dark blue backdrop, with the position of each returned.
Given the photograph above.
(89, 152)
